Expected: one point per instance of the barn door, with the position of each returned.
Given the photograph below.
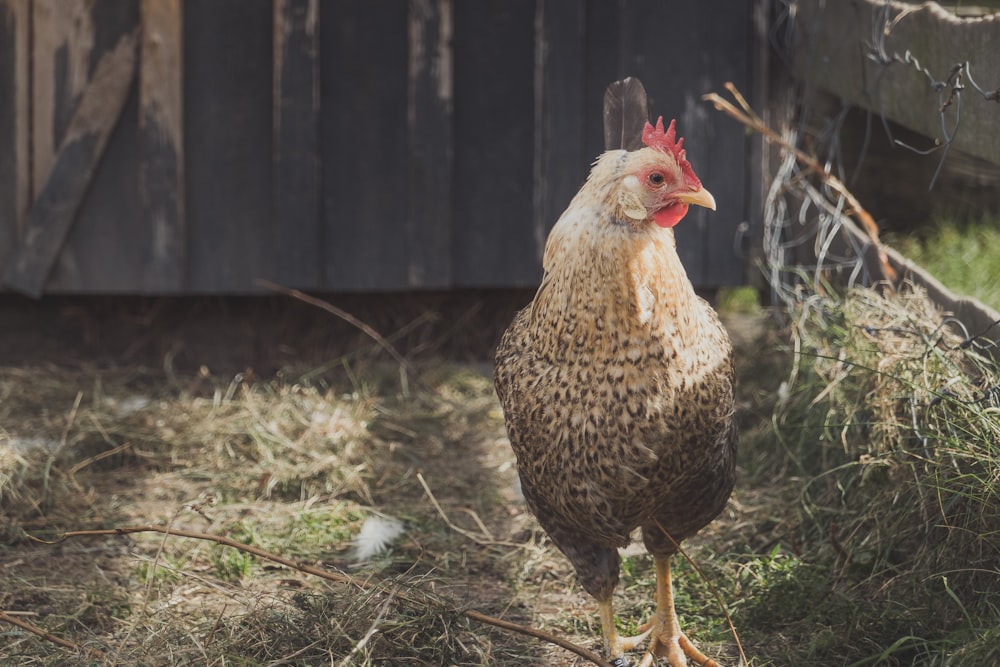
(82, 61)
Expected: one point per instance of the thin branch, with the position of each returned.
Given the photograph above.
(338, 577)
(485, 540)
(855, 209)
(98, 457)
(538, 634)
(7, 617)
(360, 645)
(405, 367)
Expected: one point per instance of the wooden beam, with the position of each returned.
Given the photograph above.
(885, 57)
(365, 144)
(15, 162)
(296, 231)
(161, 138)
(980, 320)
(494, 57)
(79, 154)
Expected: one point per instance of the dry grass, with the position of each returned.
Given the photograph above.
(890, 424)
(863, 530)
(290, 467)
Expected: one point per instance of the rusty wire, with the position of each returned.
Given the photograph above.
(801, 210)
(949, 89)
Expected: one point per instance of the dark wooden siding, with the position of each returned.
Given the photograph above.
(227, 142)
(365, 138)
(353, 146)
(494, 142)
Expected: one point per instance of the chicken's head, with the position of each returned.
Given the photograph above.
(661, 183)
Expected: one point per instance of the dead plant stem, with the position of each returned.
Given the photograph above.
(855, 209)
(715, 593)
(405, 367)
(6, 617)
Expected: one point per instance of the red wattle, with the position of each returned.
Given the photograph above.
(670, 215)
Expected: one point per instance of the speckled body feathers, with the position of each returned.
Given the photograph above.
(617, 387)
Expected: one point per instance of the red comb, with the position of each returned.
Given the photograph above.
(667, 142)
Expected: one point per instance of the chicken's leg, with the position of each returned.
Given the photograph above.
(666, 638)
(615, 644)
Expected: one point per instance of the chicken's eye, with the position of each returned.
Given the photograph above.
(656, 178)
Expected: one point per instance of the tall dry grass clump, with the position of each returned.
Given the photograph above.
(892, 416)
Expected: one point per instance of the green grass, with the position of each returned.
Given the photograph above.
(965, 256)
(742, 299)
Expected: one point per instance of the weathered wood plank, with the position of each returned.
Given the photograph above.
(429, 126)
(15, 161)
(494, 144)
(79, 154)
(979, 319)
(603, 64)
(676, 73)
(560, 108)
(365, 144)
(108, 221)
(161, 135)
(296, 233)
(842, 43)
(228, 125)
(719, 149)
(62, 41)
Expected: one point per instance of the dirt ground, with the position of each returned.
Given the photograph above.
(445, 467)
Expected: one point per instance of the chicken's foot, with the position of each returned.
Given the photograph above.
(616, 645)
(666, 639)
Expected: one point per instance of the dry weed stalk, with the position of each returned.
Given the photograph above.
(9, 617)
(711, 588)
(405, 367)
(750, 119)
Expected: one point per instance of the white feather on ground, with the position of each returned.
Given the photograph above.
(377, 534)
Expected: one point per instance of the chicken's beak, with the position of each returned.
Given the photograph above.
(699, 197)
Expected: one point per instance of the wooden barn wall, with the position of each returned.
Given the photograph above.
(339, 145)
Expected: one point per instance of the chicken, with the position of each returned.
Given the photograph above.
(617, 382)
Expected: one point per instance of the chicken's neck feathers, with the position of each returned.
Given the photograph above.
(603, 274)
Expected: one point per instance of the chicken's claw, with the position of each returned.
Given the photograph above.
(677, 649)
(666, 639)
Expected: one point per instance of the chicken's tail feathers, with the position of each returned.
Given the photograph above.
(626, 112)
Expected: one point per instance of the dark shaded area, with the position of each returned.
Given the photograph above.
(232, 334)
(894, 182)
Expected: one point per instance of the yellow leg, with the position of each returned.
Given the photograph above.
(614, 644)
(667, 640)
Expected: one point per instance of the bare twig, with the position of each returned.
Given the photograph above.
(63, 439)
(339, 577)
(405, 367)
(327, 575)
(854, 207)
(485, 539)
(98, 457)
(11, 617)
(383, 608)
(538, 634)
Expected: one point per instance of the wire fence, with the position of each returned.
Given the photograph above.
(808, 237)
